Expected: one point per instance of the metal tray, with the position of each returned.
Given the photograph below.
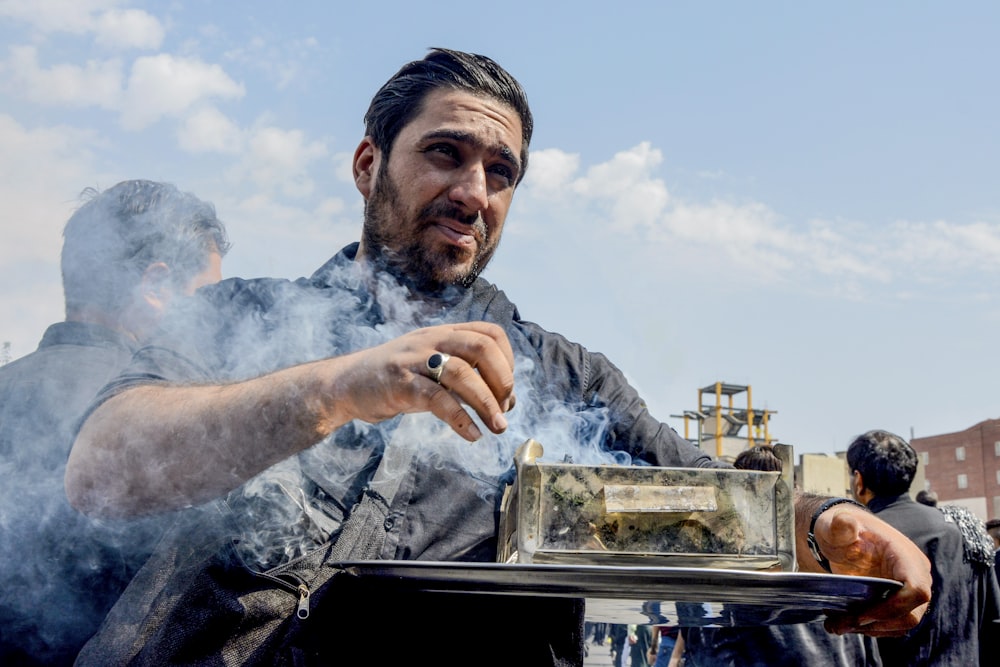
(670, 596)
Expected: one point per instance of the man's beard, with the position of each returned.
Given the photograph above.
(401, 253)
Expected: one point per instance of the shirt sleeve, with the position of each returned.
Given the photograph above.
(191, 342)
(594, 382)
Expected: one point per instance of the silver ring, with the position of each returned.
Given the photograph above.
(435, 364)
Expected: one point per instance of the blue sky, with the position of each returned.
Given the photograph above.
(801, 197)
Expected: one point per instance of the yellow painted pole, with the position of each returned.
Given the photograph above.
(718, 419)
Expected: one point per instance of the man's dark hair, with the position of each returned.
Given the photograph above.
(886, 462)
(993, 528)
(928, 498)
(116, 234)
(758, 457)
(401, 98)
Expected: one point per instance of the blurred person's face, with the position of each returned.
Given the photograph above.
(157, 291)
(211, 274)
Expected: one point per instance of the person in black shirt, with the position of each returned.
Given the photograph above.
(128, 252)
(958, 628)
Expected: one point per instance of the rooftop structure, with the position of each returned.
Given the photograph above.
(725, 426)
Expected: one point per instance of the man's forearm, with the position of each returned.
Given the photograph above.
(806, 506)
(158, 448)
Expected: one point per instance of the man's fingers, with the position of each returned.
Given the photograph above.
(487, 354)
(461, 379)
(880, 621)
(449, 370)
(493, 331)
(479, 369)
(446, 407)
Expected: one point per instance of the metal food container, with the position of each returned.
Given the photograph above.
(570, 513)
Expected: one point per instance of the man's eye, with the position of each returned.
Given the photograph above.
(444, 149)
(504, 171)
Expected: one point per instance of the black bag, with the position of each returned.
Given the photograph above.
(196, 603)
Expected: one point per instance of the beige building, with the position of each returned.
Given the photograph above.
(827, 474)
(822, 474)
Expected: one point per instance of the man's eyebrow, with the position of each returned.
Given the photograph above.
(503, 150)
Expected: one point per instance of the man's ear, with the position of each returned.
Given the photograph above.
(155, 289)
(861, 492)
(365, 166)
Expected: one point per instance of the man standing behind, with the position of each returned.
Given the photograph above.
(127, 252)
(958, 626)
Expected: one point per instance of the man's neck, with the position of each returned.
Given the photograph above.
(99, 317)
(380, 277)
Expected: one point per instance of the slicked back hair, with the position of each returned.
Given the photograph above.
(401, 98)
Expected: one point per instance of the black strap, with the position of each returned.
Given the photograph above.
(811, 536)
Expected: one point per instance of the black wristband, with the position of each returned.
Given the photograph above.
(811, 535)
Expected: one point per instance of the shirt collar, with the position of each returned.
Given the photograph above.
(86, 333)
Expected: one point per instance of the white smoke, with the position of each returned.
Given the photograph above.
(303, 325)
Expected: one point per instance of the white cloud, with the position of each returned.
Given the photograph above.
(282, 62)
(623, 188)
(42, 172)
(942, 246)
(279, 160)
(619, 175)
(112, 27)
(166, 85)
(209, 130)
(129, 28)
(343, 170)
(158, 86)
(96, 83)
(622, 201)
(35, 165)
(73, 16)
(550, 171)
(277, 239)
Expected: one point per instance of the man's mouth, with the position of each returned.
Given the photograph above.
(459, 234)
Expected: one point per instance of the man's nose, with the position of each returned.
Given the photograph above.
(470, 190)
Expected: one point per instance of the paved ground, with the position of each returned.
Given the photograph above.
(598, 656)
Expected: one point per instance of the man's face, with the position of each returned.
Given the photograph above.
(211, 275)
(436, 207)
(157, 291)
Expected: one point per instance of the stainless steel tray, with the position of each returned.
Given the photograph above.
(671, 596)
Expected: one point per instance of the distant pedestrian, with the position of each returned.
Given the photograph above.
(640, 639)
(618, 633)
